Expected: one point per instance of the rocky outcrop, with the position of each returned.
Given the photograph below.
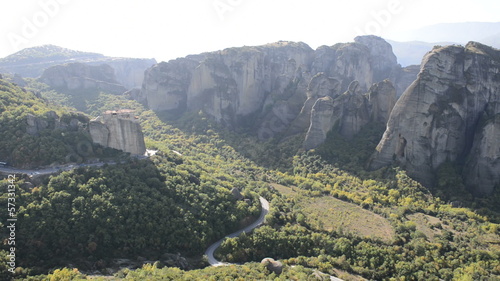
(237, 194)
(119, 130)
(79, 76)
(50, 120)
(321, 122)
(383, 61)
(448, 114)
(349, 112)
(273, 265)
(382, 98)
(268, 90)
(165, 84)
(405, 77)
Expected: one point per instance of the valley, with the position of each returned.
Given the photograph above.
(309, 157)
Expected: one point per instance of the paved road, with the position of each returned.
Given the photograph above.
(210, 251)
(49, 170)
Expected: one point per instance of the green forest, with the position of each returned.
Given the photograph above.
(328, 216)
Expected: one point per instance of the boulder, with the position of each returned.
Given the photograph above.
(273, 265)
(236, 194)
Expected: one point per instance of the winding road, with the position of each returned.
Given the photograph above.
(210, 251)
(265, 210)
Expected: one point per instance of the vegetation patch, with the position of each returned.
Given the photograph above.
(333, 214)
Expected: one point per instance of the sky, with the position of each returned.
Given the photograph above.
(167, 29)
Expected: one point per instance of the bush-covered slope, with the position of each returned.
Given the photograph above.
(35, 132)
(141, 208)
(433, 238)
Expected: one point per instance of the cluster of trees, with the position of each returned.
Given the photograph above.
(182, 203)
(461, 248)
(52, 145)
(140, 208)
(249, 271)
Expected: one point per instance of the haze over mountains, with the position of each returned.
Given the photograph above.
(31, 62)
(411, 46)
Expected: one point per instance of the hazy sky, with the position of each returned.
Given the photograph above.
(166, 29)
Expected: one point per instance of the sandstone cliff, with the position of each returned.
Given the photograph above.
(119, 130)
(129, 72)
(269, 89)
(349, 112)
(448, 114)
(79, 76)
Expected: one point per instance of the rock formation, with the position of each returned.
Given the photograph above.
(129, 72)
(118, 130)
(273, 265)
(79, 76)
(382, 98)
(350, 111)
(270, 89)
(405, 77)
(321, 122)
(165, 84)
(50, 120)
(450, 113)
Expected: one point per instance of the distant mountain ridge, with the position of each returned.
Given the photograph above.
(483, 32)
(411, 46)
(31, 62)
(412, 52)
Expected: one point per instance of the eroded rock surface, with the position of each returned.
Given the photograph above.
(450, 113)
(118, 130)
(268, 90)
(79, 76)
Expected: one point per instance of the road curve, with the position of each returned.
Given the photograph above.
(210, 251)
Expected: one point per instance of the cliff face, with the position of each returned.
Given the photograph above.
(129, 72)
(448, 114)
(273, 87)
(79, 76)
(119, 130)
(52, 121)
(350, 111)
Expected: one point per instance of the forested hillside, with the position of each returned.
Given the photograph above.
(180, 203)
(36, 133)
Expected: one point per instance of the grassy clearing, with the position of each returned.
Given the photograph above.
(330, 213)
(429, 225)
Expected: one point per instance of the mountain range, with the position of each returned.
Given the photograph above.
(31, 62)
(371, 169)
(283, 89)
